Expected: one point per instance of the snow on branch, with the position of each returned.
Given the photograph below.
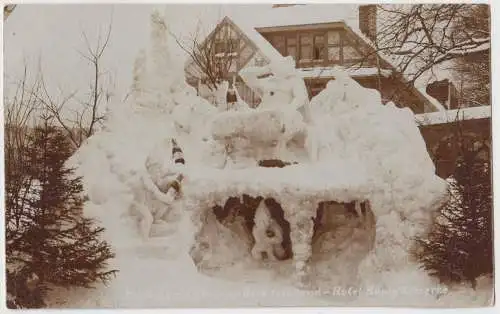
(424, 35)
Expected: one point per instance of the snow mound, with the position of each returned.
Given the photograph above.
(344, 209)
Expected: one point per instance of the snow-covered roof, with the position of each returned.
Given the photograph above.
(306, 14)
(329, 72)
(447, 116)
(254, 36)
(315, 14)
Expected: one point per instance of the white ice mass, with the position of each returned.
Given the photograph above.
(332, 224)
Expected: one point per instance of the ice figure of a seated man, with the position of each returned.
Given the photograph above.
(268, 235)
(283, 90)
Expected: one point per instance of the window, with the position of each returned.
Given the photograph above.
(306, 47)
(291, 51)
(233, 34)
(291, 47)
(233, 45)
(280, 44)
(220, 33)
(234, 65)
(219, 46)
(334, 53)
(333, 39)
(226, 40)
(319, 47)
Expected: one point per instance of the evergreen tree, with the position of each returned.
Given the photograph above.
(459, 247)
(52, 243)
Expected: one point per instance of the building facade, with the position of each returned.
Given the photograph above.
(318, 44)
(324, 40)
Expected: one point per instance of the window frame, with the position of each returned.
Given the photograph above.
(293, 41)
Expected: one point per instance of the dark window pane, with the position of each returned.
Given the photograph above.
(219, 47)
(319, 52)
(305, 52)
(319, 47)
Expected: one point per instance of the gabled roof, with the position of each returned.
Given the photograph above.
(346, 14)
(252, 36)
(303, 15)
(264, 46)
(320, 14)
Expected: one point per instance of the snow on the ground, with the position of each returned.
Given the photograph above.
(364, 150)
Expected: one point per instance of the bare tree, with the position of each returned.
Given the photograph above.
(89, 114)
(7, 10)
(213, 57)
(19, 112)
(422, 36)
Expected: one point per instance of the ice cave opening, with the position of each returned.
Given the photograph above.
(243, 221)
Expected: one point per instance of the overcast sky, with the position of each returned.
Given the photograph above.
(53, 34)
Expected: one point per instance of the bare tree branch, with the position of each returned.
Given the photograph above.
(213, 57)
(89, 115)
(422, 36)
(7, 11)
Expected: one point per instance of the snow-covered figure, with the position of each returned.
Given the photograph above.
(154, 70)
(264, 132)
(268, 236)
(159, 186)
(279, 84)
(282, 90)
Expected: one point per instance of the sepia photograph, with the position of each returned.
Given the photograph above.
(230, 155)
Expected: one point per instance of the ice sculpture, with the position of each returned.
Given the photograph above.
(369, 168)
(264, 132)
(332, 190)
(268, 235)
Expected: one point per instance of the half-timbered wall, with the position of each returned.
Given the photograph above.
(231, 45)
(316, 47)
